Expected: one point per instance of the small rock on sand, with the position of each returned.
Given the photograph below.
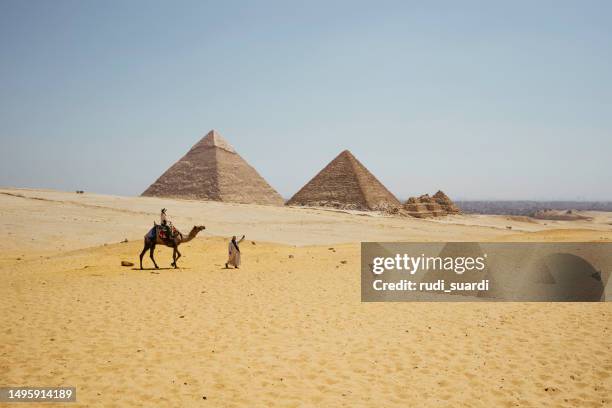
(290, 256)
(126, 263)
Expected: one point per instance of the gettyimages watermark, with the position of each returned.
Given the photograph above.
(472, 271)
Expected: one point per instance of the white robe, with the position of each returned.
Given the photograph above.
(234, 254)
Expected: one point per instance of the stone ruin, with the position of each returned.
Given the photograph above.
(425, 206)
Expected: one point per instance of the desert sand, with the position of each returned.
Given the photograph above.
(287, 328)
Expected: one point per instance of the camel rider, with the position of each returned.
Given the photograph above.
(165, 224)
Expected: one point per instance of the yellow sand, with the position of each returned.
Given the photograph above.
(287, 328)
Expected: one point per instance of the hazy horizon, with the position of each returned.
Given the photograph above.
(483, 101)
(286, 198)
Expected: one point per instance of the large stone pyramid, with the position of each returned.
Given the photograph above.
(213, 170)
(345, 183)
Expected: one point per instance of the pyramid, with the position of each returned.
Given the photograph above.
(446, 203)
(435, 206)
(213, 170)
(345, 183)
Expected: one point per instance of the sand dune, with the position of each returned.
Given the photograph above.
(288, 328)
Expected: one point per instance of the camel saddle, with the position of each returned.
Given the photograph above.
(161, 232)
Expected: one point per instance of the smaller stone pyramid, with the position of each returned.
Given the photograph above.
(445, 202)
(213, 170)
(347, 184)
(425, 206)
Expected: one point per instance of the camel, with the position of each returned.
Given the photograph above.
(178, 239)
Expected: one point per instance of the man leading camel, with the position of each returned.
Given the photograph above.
(234, 253)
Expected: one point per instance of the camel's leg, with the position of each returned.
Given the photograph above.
(151, 255)
(144, 250)
(174, 258)
(178, 255)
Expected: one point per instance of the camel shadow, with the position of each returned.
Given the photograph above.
(159, 269)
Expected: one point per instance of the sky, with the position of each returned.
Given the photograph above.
(482, 99)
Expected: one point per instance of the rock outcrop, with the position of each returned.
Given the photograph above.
(560, 215)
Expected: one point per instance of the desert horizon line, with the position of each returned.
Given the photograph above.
(401, 198)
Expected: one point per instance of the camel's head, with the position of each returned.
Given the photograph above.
(199, 228)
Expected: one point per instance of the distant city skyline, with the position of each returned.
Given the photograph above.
(504, 101)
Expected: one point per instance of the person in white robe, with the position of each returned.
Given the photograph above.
(234, 253)
(165, 224)
(163, 217)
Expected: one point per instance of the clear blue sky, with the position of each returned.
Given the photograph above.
(485, 100)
